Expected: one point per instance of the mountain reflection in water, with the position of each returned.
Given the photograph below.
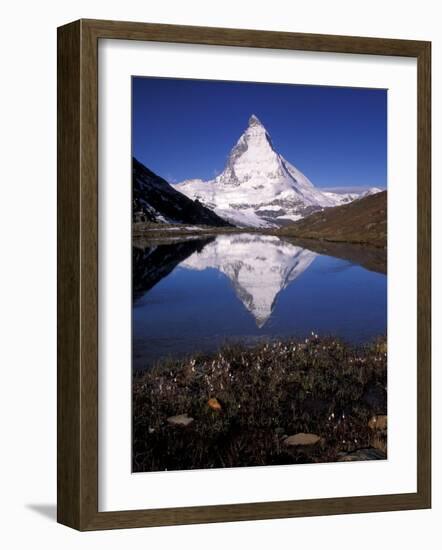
(259, 268)
(193, 295)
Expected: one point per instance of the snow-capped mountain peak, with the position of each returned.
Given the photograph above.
(258, 186)
(254, 121)
(252, 160)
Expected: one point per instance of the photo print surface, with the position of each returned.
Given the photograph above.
(259, 274)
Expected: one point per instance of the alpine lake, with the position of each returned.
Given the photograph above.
(196, 294)
(254, 350)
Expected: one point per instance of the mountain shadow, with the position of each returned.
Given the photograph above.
(155, 200)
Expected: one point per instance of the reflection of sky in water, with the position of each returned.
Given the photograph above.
(228, 291)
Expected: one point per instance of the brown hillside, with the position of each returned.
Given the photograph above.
(363, 221)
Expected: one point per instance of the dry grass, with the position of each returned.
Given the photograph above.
(362, 221)
(266, 393)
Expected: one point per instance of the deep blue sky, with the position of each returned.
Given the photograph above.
(186, 128)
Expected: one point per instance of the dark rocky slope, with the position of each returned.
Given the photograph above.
(155, 200)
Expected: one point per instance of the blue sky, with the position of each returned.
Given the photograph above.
(186, 128)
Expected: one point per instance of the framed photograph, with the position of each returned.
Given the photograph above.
(243, 274)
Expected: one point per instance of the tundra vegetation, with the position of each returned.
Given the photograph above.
(279, 402)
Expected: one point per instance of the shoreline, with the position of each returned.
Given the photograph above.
(163, 232)
(369, 256)
(156, 232)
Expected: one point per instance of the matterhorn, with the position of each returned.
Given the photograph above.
(259, 187)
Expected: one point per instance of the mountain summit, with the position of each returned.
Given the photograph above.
(258, 186)
(254, 121)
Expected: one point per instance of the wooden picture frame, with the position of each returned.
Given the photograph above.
(78, 274)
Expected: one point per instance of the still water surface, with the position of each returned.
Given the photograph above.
(194, 295)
